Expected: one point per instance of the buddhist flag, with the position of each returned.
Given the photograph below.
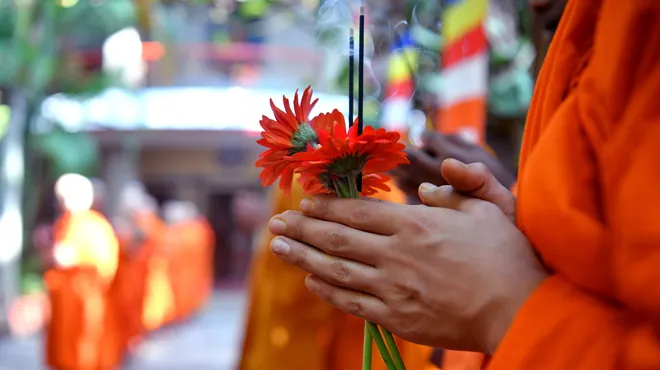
(464, 70)
(398, 103)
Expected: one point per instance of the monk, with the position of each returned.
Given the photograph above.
(158, 304)
(205, 251)
(139, 229)
(189, 242)
(288, 328)
(82, 333)
(199, 250)
(560, 278)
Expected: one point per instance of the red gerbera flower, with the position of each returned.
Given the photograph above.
(341, 157)
(289, 133)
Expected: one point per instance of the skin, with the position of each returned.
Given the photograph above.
(426, 162)
(458, 259)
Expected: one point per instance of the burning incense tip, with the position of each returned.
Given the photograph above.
(361, 10)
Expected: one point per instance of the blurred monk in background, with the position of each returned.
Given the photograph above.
(288, 328)
(139, 228)
(158, 298)
(82, 333)
(189, 242)
(100, 190)
(204, 250)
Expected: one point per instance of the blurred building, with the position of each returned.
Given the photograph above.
(194, 144)
(197, 79)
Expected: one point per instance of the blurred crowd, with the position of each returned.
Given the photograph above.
(109, 282)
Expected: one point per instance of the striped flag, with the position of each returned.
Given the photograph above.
(462, 105)
(398, 103)
(464, 70)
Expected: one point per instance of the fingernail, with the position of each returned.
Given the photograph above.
(426, 188)
(307, 205)
(277, 226)
(279, 246)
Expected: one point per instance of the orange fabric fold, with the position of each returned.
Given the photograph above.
(587, 196)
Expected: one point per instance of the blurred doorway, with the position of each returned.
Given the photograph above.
(233, 247)
(161, 191)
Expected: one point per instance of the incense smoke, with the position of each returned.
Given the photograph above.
(334, 20)
(386, 27)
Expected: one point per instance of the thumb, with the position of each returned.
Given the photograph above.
(477, 181)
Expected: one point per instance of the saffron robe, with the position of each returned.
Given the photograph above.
(588, 195)
(159, 302)
(130, 286)
(191, 261)
(83, 332)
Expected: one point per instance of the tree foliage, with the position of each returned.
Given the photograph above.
(39, 39)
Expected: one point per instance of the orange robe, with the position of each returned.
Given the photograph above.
(158, 304)
(130, 286)
(205, 281)
(83, 331)
(289, 328)
(588, 195)
(191, 262)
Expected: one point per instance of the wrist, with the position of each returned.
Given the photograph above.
(501, 318)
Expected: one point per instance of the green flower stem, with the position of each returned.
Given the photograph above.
(338, 189)
(341, 188)
(352, 183)
(347, 188)
(394, 350)
(367, 350)
(380, 344)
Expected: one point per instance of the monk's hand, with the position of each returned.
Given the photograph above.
(450, 277)
(473, 180)
(426, 161)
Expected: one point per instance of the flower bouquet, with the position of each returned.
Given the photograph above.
(331, 160)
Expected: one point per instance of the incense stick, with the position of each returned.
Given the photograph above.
(351, 76)
(361, 84)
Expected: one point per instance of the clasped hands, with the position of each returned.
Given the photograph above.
(451, 273)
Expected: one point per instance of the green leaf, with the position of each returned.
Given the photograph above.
(68, 152)
(41, 74)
